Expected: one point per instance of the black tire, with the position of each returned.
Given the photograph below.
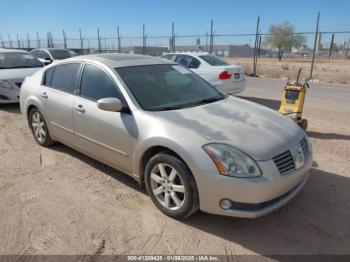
(47, 140)
(190, 203)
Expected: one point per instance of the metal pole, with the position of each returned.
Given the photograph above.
(28, 42)
(259, 48)
(144, 39)
(10, 41)
(172, 37)
(206, 41)
(38, 40)
(347, 50)
(98, 40)
(331, 47)
(18, 42)
(81, 43)
(211, 43)
(64, 39)
(315, 43)
(119, 42)
(291, 43)
(255, 46)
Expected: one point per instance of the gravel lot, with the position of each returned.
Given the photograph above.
(58, 201)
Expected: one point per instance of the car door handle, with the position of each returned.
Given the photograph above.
(80, 108)
(44, 95)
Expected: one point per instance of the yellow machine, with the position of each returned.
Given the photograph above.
(293, 98)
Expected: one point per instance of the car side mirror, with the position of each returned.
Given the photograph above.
(111, 104)
(45, 61)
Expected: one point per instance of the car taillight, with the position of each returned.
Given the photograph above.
(225, 75)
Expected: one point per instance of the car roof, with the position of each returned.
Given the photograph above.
(8, 50)
(122, 60)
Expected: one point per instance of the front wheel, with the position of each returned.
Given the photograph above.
(171, 186)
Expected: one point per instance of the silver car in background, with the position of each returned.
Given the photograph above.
(15, 65)
(155, 120)
(49, 55)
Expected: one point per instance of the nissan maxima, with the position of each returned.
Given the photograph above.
(155, 120)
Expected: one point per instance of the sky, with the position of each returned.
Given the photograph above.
(190, 16)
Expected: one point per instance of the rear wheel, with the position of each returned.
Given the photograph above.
(171, 186)
(39, 128)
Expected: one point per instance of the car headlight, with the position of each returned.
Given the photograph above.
(5, 84)
(232, 162)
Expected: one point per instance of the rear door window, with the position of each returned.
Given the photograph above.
(65, 77)
(48, 77)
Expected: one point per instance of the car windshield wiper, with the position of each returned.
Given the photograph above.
(203, 101)
(209, 100)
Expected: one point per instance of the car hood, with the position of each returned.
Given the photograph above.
(17, 73)
(252, 128)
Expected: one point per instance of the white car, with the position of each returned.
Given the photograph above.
(48, 55)
(226, 78)
(15, 65)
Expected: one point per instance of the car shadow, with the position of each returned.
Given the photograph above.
(271, 103)
(314, 222)
(328, 136)
(10, 108)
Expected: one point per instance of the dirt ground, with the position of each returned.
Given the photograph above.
(329, 71)
(58, 201)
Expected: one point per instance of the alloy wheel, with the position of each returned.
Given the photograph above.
(167, 186)
(39, 127)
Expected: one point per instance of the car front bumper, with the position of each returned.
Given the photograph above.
(251, 197)
(9, 95)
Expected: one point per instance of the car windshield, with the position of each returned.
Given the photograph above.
(167, 87)
(11, 60)
(60, 54)
(214, 60)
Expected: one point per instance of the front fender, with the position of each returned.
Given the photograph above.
(142, 148)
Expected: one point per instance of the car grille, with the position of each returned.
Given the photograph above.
(284, 162)
(304, 146)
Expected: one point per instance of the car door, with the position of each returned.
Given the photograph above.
(103, 135)
(57, 95)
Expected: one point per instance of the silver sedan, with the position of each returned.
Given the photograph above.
(193, 147)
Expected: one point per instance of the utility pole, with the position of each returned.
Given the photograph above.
(315, 43)
(144, 39)
(211, 42)
(81, 42)
(119, 42)
(38, 40)
(331, 47)
(256, 46)
(64, 39)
